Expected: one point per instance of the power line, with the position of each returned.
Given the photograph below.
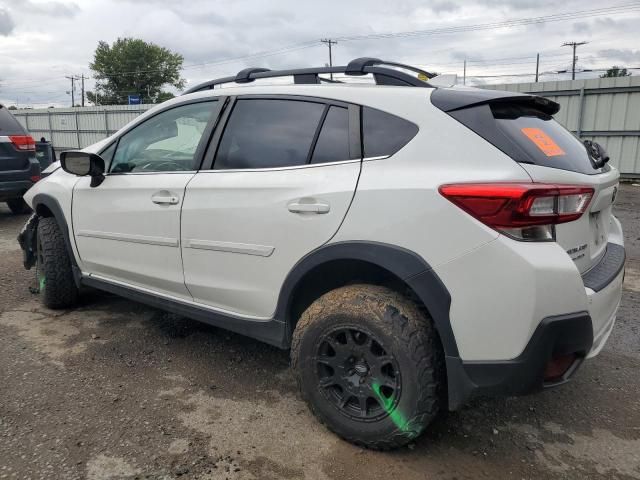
(438, 31)
(504, 24)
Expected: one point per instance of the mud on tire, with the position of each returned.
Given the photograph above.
(368, 362)
(55, 276)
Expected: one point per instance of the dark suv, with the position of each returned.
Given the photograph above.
(19, 168)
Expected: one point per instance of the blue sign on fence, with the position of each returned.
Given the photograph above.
(134, 100)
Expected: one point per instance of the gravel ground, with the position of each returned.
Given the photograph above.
(115, 390)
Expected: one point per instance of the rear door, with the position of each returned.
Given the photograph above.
(279, 186)
(127, 229)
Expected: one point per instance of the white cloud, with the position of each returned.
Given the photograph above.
(42, 41)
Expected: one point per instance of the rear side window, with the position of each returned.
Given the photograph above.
(265, 133)
(384, 134)
(8, 124)
(333, 141)
(543, 141)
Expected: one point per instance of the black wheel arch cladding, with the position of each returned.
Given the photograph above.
(404, 264)
(52, 204)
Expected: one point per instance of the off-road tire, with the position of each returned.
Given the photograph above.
(57, 288)
(407, 333)
(18, 206)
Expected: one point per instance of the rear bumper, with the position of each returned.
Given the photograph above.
(14, 183)
(555, 336)
(577, 336)
(13, 189)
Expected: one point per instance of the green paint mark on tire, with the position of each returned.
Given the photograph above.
(387, 403)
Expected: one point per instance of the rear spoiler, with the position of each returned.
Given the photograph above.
(451, 99)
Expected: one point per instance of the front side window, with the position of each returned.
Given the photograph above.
(166, 142)
(268, 133)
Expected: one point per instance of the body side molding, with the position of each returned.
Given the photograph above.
(268, 331)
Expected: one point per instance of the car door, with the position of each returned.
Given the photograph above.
(128, 228)
(282, 180)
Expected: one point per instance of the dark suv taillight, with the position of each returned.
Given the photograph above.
(523, 211)
(23, 142)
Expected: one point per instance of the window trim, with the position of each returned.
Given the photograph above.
(219, 103)
(355, 129)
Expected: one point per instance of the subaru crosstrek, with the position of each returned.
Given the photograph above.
(412, 245)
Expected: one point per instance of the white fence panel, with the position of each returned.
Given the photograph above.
(77, 127)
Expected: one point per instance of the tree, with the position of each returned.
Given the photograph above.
(615, 71)
(134, 67)
(13, 107)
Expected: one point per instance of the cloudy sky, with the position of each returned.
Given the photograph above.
(42, 41)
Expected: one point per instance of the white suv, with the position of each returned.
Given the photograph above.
(413, 246)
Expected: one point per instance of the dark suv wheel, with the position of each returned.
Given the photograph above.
(367, 361)
(55, 276)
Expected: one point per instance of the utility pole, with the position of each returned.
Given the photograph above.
(464, 72)
(73, 79)
(82, 77)
(329, 42)
(575, 58)
(537, 65)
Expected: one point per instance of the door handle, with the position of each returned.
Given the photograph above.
(165, 198)
(315, 207)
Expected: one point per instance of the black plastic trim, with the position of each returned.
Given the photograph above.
(607, 269)
(403, 263)
(451, 99)
(54, 207)
(268, 331)
(557, 335)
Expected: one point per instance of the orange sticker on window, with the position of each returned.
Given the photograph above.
(543, 141)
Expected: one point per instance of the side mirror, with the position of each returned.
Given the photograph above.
(83, 164)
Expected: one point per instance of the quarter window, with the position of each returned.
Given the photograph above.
(266, 133)
(166, 142)
(384, 134)
(333, 141)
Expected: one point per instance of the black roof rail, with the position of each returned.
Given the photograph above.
(244, 76)
(382, 74)
(357, 66)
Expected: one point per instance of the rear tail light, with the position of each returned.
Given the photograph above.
(523, 211)
(35, 178)
(23, 142)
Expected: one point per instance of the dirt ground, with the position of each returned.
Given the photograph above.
(116, 390)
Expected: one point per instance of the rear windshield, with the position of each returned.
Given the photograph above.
(528, 136)
(8, 124)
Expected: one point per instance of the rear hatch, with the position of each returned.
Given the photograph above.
(12, 141)
(522, 126)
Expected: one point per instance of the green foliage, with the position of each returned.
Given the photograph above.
(615, 71)
(13, 107)
(134, 67)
